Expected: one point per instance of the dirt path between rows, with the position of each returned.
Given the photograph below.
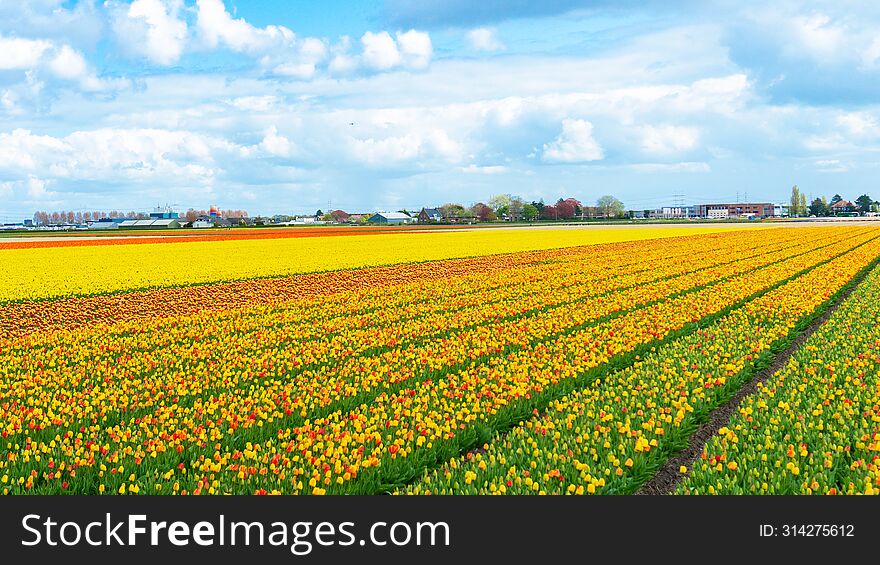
(668, 477)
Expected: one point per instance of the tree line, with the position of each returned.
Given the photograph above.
(514, 208)
(821, 206)
(43, 218)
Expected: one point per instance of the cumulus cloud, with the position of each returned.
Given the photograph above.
(484, 39)
(19, 54)
(276, 145)
(382, 52)
(154, 29)
(217, 27)
(415, 48)
(575, 144)
(430, 147)
(68, 64)
(108, 152)
(278, 49)
(37, 57)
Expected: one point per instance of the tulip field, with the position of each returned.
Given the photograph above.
(474, 362)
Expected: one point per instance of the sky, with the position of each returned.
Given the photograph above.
(291, 106)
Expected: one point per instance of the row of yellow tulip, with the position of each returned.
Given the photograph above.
(814, 426)
(610, 437)
(273, 396)
(392, 439)
(256, 346)
(73, 272)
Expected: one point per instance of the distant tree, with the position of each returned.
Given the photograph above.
(835, 199)
(539, 205)
(610, 206)
(452, 211)
(819, 208)
(802, 204)
(864, 203)
(327, 218)
(795, 201)
(515, 208)
(319, 213)
(550, 212)
(566, 208)
(499, 201)
(530, 212)
(78, 218)
(483, 212)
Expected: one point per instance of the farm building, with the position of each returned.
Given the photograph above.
(203, 222)
(430, 215)
(391, 218)
(843, 207)
(106, 223)
(149, 224)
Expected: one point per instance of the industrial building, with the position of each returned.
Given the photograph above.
(152, 224)
(738, 210)
(390, 218)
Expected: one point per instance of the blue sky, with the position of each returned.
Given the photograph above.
(278, 106)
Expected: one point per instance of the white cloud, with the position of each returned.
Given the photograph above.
(831, 166)
(666, 139)
(415, 48)
(154, 29)
(574, 144)
(818, 36)
(308, 54)
(380, 51)
(859, 124)
(276, 145)
(108, 153)
(36, 188)
(428, 146)
(278, 49)
(484, 39)
(68, 64)
(255, 103)
(484, 170)
(20, 54)
(217, 27)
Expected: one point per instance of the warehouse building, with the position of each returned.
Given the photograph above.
(153, 224)
(739, 210)
(391, 218)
